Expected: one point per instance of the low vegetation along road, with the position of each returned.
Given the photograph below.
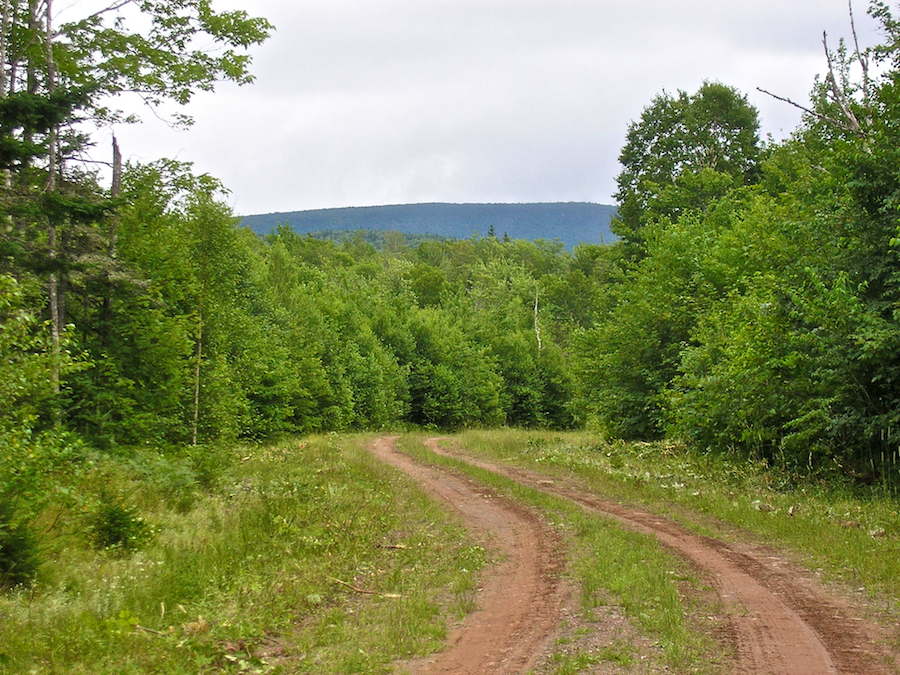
(779, 619)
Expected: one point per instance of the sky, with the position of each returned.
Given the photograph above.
(371, 102)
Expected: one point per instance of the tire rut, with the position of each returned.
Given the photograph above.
(783, 622)
(521, 596)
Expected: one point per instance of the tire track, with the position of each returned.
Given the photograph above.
(521, 597)
(784, 623)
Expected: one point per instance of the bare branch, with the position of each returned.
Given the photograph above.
(112, 8)
(85, 160)
(809, 111)
(862, 58)
(839, 96)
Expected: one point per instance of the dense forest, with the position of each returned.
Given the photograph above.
(750, 305)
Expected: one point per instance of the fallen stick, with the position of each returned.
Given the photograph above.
(362, 590)
(150, 630)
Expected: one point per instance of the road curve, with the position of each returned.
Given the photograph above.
(784, 623)
(521, 597)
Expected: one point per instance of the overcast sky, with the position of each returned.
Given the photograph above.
(368, 102)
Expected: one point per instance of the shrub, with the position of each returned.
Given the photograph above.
(117, 525)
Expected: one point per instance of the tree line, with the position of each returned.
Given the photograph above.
(755, 305)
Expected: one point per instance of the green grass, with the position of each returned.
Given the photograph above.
(246, 577)
(232, 562)
(618, 653)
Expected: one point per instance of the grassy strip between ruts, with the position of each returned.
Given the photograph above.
(851, 533)
(611, 566)
(308, 558)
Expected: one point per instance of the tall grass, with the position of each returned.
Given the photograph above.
(256, 575)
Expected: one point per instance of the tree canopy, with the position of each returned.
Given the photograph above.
(755, 307)
(685, 151)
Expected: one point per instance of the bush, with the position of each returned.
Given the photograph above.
(117, 525)
(208, 463)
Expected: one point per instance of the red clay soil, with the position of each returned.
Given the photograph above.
(782, 621)
(521, 596)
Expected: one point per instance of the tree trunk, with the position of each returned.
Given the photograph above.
(5, 77)
(197, 375)
(55, 323)
(4, 49)
(55, 307)
(114, 191)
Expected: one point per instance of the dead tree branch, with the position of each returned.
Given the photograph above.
(810, 111)
(861, 56)
(840, 97)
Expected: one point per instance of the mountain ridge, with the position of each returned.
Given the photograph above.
(570, 222)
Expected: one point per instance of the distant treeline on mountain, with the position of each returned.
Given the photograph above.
(380, 239)
(569, 222)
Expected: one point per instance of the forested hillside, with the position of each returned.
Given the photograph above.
(749, 306)
(570, 223)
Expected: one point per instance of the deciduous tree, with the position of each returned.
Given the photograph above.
(685, 151)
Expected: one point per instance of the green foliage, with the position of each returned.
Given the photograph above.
(36, 469)
(159, 57)
(54, 75)
(117, 525)
(627, 360)
(33, 463)
(538, 387)
(25, 357)
(728, 396)
(452, 380)
(417, 335)
(427, 283)
(685, 151)
(753, 304)
(20, 555)
(26, 119)
(380, 239)
(254, 558)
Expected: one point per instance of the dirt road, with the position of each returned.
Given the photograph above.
(782, 621)
(521, 595)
